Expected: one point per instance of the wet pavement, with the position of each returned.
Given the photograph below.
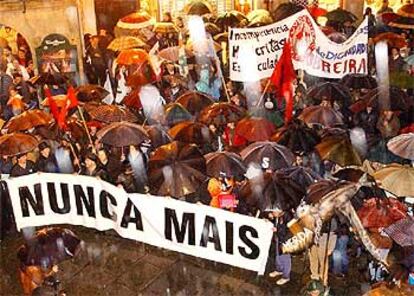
(110, 265)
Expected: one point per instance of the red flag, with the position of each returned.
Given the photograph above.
(61, 121)
(282, 78)
(72, 97)
(52, 104)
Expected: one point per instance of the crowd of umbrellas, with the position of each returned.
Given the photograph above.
(195, 138)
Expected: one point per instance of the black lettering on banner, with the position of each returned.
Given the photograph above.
(51, 190)
(236, 49)
(36, 202)
(229, 237)
(205, 236)
(127, 218)
(254, 249)
(103, 203)
(187, 222)
(81, 199)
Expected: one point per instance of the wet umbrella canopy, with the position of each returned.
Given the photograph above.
(283, 189)
(176, 113)
(91, 93)
(330, 91)
(191, 132)
(224, 163)
(402, 145)
(297, 137)
(112, 113)
(122, 134)
(230, 19)
(397, 179)
(27, 120)
(339, 149)
(176, 169)
(255, 129)
(49, 246)
(377, 213)
(221, 114)
(359, 81)
(17, 143)
(340, 15)
(285, 10)
(194, 101)
(323, 115)
(267, 155)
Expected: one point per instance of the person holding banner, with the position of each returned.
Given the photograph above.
(23, 166)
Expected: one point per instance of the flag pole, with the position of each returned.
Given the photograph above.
(263, 93)
(86, 128)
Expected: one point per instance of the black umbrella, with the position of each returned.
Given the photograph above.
(267, 155)
(48, 247)
(158, 134)
(122, 134)
(297, 136)
(285, 10)
(176, 169)
(229, 19)
(330, 91)
(359, 81)
(273, 191)
(224, 164)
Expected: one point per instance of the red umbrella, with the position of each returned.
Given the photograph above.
(255, 129)
(132, 57)
(132, 100)
(377, 213)
(136, 20)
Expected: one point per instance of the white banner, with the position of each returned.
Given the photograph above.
(198, 230)
(254, 51)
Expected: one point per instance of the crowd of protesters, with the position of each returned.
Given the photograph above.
(80, 155)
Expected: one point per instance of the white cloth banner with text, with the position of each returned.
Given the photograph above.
(254, 52)
(197, 230)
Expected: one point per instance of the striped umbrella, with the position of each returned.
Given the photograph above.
(126, 42)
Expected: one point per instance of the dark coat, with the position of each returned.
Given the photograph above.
(47, 165)
(18, 171)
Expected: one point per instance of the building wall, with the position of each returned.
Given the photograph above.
(43, 18)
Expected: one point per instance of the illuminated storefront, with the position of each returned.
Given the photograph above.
(177, 7)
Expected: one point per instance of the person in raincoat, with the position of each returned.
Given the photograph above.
(208, 84)
(220, 188)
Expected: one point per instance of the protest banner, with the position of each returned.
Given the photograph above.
(202, 231)
(312, 50)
